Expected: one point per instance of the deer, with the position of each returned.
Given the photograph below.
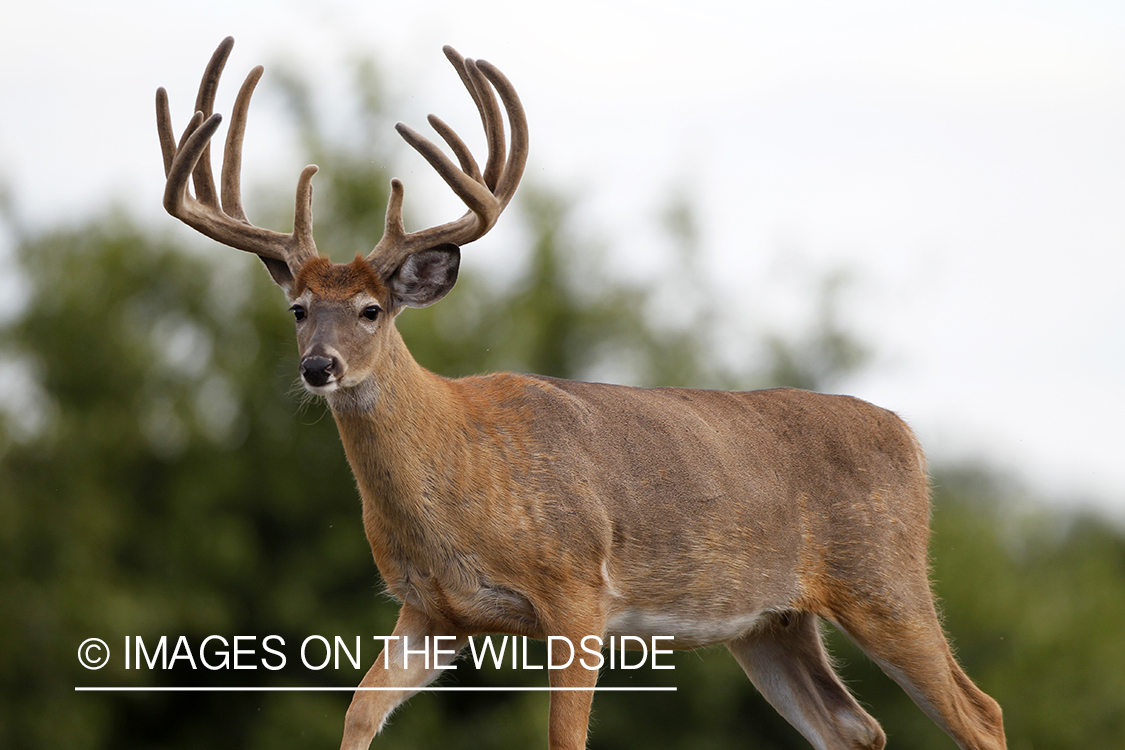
(540, 507)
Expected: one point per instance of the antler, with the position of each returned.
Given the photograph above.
(485, 194)
(192, 156)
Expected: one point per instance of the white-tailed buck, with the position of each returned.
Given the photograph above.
(533, 506)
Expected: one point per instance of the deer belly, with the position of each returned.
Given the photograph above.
(690, 630)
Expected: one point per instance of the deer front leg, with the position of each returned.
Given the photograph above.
(570, 709)
(370, 708)
(569, 717)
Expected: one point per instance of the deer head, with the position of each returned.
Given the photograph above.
(345, 312)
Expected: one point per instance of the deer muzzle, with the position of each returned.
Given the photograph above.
(319, 371)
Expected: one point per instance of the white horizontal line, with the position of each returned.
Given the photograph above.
(354, 689)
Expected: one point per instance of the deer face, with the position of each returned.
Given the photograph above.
(345, 312)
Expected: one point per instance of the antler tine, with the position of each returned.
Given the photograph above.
(468, 163)
(226, 223)
(188, 152)
(490, 118)
(485, 194)
(232, 154)
(475, 195)
(205, 103)
(164, 130)
(509, 179)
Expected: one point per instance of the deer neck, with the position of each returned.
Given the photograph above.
(394, 423)
(403, 435)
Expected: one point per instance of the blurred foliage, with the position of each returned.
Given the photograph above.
(162, 474)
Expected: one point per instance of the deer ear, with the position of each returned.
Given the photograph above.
(279, 272)
(426, 275)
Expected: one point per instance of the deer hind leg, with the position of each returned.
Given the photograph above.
(370, 708)
(786, 661)
(907, 642)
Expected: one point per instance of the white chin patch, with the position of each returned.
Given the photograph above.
(321, 390)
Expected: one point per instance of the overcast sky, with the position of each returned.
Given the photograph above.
(965, 159)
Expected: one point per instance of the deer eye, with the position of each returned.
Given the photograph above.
(298, 312)
(371, 312)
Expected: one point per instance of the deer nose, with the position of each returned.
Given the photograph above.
(318, 371)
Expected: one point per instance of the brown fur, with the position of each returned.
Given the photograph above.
(337, 281)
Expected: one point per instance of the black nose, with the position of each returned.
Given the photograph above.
(317, 371)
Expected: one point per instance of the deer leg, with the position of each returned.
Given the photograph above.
(909, 645)
(573, 683)
(369, 709)
(570, 709)
(786, 661)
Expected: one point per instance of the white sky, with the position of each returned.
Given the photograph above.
(966, 159)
